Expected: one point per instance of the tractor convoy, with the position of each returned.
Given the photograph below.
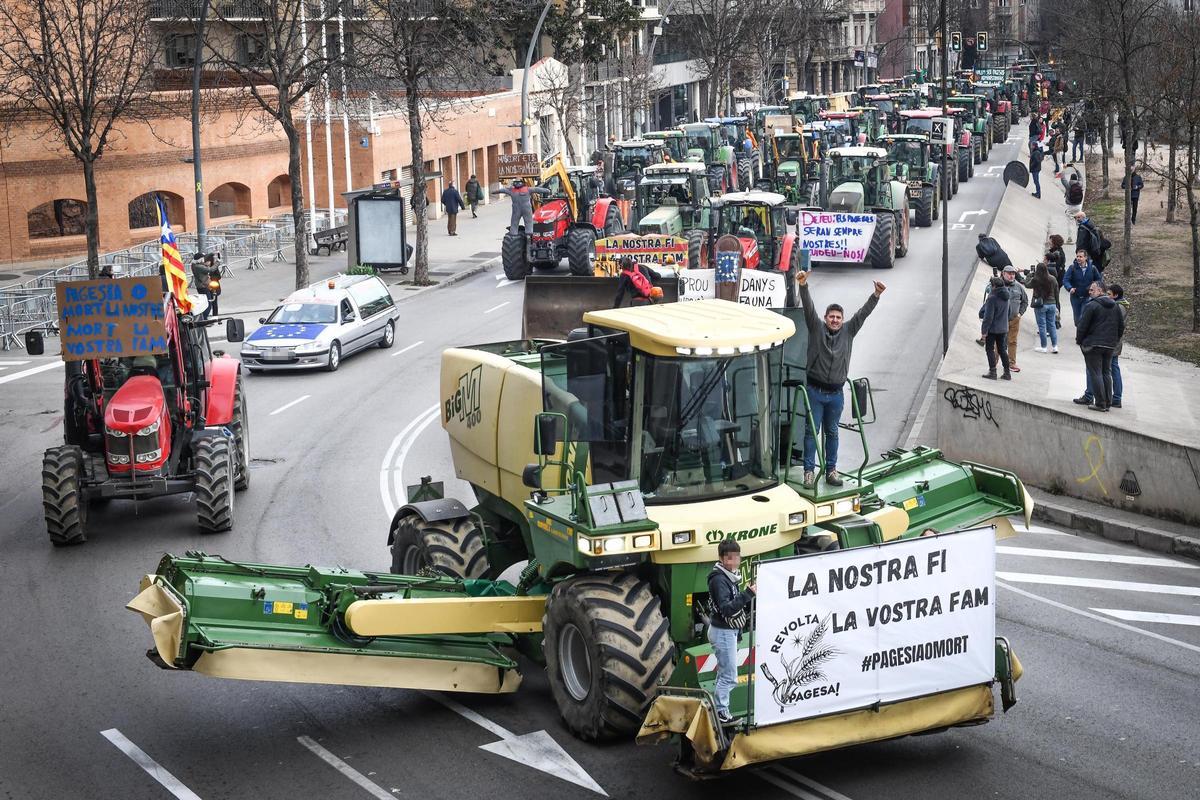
(608, 450)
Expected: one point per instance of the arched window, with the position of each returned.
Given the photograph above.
(55, 218)
(279, 192)
(229, 199)
(144, 214)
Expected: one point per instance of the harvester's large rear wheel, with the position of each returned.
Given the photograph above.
(925, 208)
(452, 547)
(512, 257)
(882, 252)
(964, 165)
(241, 437)
(607, 648)
(581, 251)
(62, 495)
(214, 484)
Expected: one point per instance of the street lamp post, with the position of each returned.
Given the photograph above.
(197, 171)
(945, 198)
(537, 31)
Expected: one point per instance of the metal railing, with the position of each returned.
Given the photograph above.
(32, 305)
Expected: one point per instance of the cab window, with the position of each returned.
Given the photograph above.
(347, 310)
(371, 296)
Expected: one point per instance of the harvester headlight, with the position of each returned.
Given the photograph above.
(115, 433)
(704, 351)
(682, 537)
(844, 506)
(614, 544)
(151, 428)
(825, 510)
(149, 458)
(585, 545)
(642, 541)
(683, 351)
(797, 518)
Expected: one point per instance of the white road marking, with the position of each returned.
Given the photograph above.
(507, 282)
(16, 376)
(8, 362)
(1040, 530)
(406, 349)
(794, 791)
(286, 406)
(1099, 583)
(497, 308)
(1098, 618)
(965, 214)
(1069, 555)
(350, 772)
(1151, 616)
(537, 750)
(393, 461)
(831, 794)
(152, 767)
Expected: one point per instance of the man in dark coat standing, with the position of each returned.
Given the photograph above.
(452, 201)
(1135, 193)
(1100, 329)
(1088, 238)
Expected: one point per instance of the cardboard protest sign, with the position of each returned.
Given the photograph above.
(836, 236)
(668, 252)
(847, 629)
(111, 318)
(758, 288)
(518, 165)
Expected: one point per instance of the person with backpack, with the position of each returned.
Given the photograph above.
(729, 612)
(1135, 193)
(1074, 195)
(636, 280)
(474, 195)
(991, 253)
(1035, 169)
(1079, 276)
(1100, 328)
(1045, 307)
(995, 328)
(1089, 238)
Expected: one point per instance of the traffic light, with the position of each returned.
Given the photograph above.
(956, 41)
(981, 41)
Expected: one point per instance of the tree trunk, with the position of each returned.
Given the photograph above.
(298, 218)
(1193, 167)
(1172, 182)
(1127, 228)
(419, 201)
(91, 217)
(1105, 152)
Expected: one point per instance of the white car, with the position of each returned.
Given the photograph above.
(321, 325)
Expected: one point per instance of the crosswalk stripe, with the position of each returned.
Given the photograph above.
(8, 362)
(1151, 616)
(1099, 583)
(1108, 558)
(31, 371)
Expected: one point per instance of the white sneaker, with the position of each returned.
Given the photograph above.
(1039, 349)
(1055, 350)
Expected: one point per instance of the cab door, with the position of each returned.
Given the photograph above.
(352, 331)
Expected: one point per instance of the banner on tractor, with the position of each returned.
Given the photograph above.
(848, 629)
(518, 165)
(111, 318)
(836, 236)
(668, 252)
(755, 288)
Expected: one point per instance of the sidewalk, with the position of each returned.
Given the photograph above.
(1144, 457)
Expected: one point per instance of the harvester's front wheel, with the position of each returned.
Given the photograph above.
(62, 495)
(241, 437)
(214, 484)
(581, 251)
(882, 252)
(607, 649)
(925, 208)
(452, 547)
(512, 257)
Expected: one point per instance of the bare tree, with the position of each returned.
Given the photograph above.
(808, 25)
(77, 68)
(277, 60)
(561, 94)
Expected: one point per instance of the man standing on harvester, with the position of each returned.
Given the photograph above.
(729, 612)
(830, 342)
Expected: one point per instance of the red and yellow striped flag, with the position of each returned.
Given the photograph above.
(171, 260)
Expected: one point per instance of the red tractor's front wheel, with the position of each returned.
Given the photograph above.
(214, 484)
(63, 498)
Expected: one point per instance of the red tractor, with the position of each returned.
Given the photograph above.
(572, 216)
(142, 426)
(760, 221)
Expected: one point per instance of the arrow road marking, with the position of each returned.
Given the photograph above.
(965, 214)
(350, 772)
(1108, 558)
(537, 749)
(152, 767)
(997, 168)
(1151, 616)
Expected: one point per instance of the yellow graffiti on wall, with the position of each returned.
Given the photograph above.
(1095, 461)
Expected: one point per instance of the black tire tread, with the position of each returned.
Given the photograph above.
(214, 484)
(453, 547)
(924, 208)
(881, 254)
(62, 496)
(512, 257)
(579, 241)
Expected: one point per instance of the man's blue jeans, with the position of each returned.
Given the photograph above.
(826, 410)
(724, 643)
(1077, 147)
(1037, 183)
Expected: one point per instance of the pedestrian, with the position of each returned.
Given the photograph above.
(1045, 307)
(637, 281)
(522, 204)
(995, 328)
(1135, 192)
(1081, 274)
(729, 611)
(1035, 130)
(991, 253)
(452, 201)
(1089, 238)
(1018, 303)
(1100, 328)
(1117, 293)
(1035, 169)
(474, 195)
(1056, 262)
(1074, 195)
(1079, 139)
(1053, 145)
(830, 343)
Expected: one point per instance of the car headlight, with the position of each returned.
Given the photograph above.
(310, 347)
(248, 350)
(115, 434)
(149, 429)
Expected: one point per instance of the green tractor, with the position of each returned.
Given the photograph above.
(625, 162)
(705, 144)
(977, 120)
(862, 184)
(808, 107)
(792, 165)
(954, 158)
(758, 120)
(673, 143)
(738, 134)
(909, 156)
(669, 202)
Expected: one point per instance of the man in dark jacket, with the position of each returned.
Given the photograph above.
(1100, 329)
(453, 203)
(991, 253)
(1081, 274)
(1035, 169)
(1135, 193)
(1018, 304)
(995, 328)
(729, 607)
(1088, 238)
(830, 343)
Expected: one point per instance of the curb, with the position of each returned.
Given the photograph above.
(1146, 533)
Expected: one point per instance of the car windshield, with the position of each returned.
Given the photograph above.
(852, 168)
(303, 313)
(665, 192)
(708, 427)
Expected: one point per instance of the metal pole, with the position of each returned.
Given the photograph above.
(197, 171)
(537, 32)
(312, 191)
(345, 101)
(325, 83)
(945, 201)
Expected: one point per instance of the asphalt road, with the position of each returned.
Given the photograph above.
(1108, 705)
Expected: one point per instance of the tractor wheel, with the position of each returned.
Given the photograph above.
(214, 484)
(63, 499)
(903, 231)
(925, 208)
(745, 175)
(452, 547)
(335, 356)
(241, 438)
(607, 649)
(696, 240)
(971, 167)
(882, 252)
(977, 150)
(581, 252)
(512, 257)
(964, 165)
(953, 179)
(613, 224)
(389, 335)
(937, 196)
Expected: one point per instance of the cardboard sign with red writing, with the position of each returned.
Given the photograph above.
(111, 318)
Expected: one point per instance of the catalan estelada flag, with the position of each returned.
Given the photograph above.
(171, 260)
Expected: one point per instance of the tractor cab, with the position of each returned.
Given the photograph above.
(736, 132)
(575, 188)
(705, 144)
(759, 119)
(629, 160)
(793, 161)
(808, 107)
(861, 179)
(908, 154)
(853, 125)
(759, 219)
(868, 90)
(672, 141)
(669, 198)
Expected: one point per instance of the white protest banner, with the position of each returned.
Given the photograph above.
(758, 288)
(836, 236)
(846, 629)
